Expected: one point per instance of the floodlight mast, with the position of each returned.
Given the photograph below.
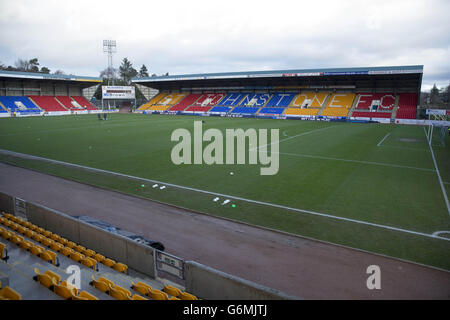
(109, 47)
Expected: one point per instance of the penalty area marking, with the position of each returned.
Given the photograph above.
(385, 137)
(268, 204)
(444, 193)
(298, 135)
(437, 233)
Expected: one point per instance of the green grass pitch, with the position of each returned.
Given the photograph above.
(345, 170)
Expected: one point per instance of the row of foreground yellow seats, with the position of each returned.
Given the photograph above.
(117, 292)
(59, 244)
(65, 290)
(8, 293)
(155, 294)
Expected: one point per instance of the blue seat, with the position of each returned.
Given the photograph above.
(10, 103)
(271, 110)
(280, 100)
(245, 110)
(258, 99)
(231, 99)
(220, 109)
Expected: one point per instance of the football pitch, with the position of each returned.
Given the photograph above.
(374, 187)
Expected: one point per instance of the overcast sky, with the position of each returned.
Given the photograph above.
(235, 35)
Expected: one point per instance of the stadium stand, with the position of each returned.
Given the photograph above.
(20, 104)
(205, 102)
(167, 101)
(407, 106)
(84, 103)
(339, 105)
(307, 103)
(255, 100)
(377, 101)
(51, 285)
(280, 100)
(273, 111)
(231, 100)
(186, 102)
(245, 110)
(69, 103)
(220, 109)
(48, 103)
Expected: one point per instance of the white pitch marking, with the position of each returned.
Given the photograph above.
(355, 161)
(444, 193)
(314, 213)
(298, 135)
(385, 137)
(437, 233)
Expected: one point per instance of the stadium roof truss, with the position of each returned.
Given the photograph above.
(397, 78)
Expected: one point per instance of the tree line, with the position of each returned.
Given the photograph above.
(31, 65)
(436, 98)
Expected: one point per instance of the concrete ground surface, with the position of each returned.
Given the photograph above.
(297, 266)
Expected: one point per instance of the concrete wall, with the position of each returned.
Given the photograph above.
(117, 247)
(203, 281)
(212, 284)
(6, 203)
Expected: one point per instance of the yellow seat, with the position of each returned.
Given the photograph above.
(55, 237)
(84, 295)
(71, 244)
(33, 227)
(53, 257)
(47, 242)
(100, 285)
(63, 241)
(36, 250)
(16, 239)
(156, 294)
(37, 237)
(50, 273)
(79, 248)
(138, 297)
(99, 257)
(187, 296)
(47, 234)
(26, 245)
(45, 256)
(26, 224)
(107, 281)
(14, 226)
(56, 246)
(89, 253)
(21, 230)
(29, 233)
(7, 293)
(6, 234)
(174, 298)
(70, 286)
(63, 291)
(66, 251)
(3, 252)
(118, 294)
(76, 256)
(120, 267)
(89, 262)
(108, 262)
(142, 288)
(40, 230)
(172, 291)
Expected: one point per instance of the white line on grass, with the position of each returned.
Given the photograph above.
(296, 136)
(444, 193)
(314, 213)
(385, 137)
(355, 161)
